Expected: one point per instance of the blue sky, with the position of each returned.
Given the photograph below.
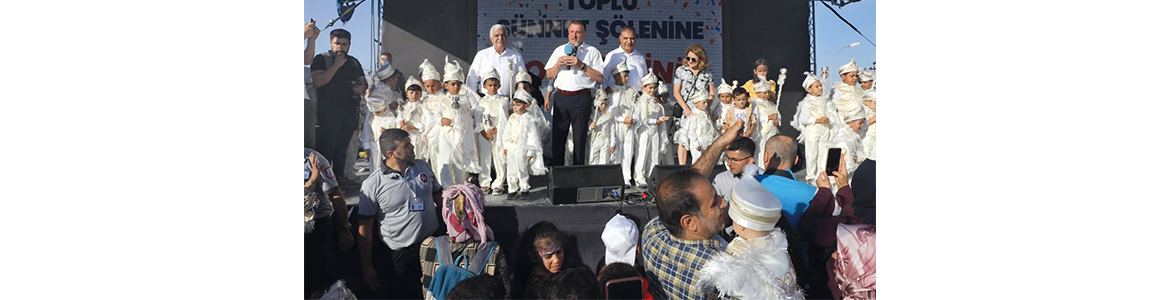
(832, 33)
(359, 27)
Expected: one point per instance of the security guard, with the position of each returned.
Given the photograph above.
(401, 200)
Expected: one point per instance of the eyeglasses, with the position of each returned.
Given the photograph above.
(738, 159)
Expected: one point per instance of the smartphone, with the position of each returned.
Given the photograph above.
(832, 161)
(625, 288)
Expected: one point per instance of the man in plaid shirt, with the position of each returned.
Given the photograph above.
(679, 241)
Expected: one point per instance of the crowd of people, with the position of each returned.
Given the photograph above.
(439, 142)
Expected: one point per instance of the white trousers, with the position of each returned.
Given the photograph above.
(499, 160)
(485, 159)
(648, 154)
(628, 152)
(517, 167)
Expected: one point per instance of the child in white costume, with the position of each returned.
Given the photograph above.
(603, 140)
(624, 101)
(845, 106)
(431, 92)
(756, 264)
(650, 117)
(869, 142)
(522, 146)
(454, 133)
(411, 116)
(768, 118)
(697, 132)
(382, 102)
(813, 124)
(495, 109)
(725, 94)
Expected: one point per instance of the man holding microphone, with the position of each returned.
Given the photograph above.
(575, 69)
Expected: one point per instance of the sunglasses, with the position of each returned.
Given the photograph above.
(692, 59)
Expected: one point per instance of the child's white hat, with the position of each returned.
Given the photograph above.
(698, 96)
(384, 72)
(489, 75)
(649, 78)
(869, 95)
(724, 88)
(621, 67)
(522, 96)
(428, 71)
(413, 81)
(662, 88)
(809, 79)
(865, 75)
(523, 77)
(850, 109)
(849, 67)
(753, 206)
(452, 70)
(599, 97)
(621, 240)
(762, 86)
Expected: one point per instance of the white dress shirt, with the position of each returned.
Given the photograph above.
(487, 59)
(635, 61)
(574, 78)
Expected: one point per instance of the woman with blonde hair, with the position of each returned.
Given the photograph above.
(692, 78)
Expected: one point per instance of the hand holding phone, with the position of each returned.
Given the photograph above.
(833, 160)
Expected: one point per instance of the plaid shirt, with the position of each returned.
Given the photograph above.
(497, 265)
(673, 263)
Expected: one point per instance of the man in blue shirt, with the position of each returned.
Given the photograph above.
(794, 195)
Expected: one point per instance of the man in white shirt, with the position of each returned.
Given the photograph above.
(634, 59)
(506, 61)
(575, 70)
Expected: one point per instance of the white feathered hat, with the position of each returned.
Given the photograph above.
(523, 96)
(809, 79)
(649, 78)
(865, 75)
(489, 75)
(662, 88)
(384, 72)
(869, 95)
(413, 81)
(452, 70)
(599, 97)
(726, 89)
(427, 71)
(621, 67)
(849, 67)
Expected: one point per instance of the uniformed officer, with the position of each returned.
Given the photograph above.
(401, 199)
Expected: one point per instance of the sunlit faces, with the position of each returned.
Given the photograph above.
(741, 101)
(725, 98)
(865, 85)
(712, 208)
(737, 159)
(453, 87)
(403, 152)
(815, 89)
(761, 72)
(413, 95)
(702, 104)
(692, 60)
(432, 86)
(492, 86)
(519, 107)
(856, 124)
(576, 33)
(628, 39)
(849, 78)
(650, 89)
(339, 44)
(621, 77)
(499, 39)
(871, 104)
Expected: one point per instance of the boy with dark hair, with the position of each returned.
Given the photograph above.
(482, 286)
(572, 284)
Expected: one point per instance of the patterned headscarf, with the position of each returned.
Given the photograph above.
(856, 265)
(463, 213)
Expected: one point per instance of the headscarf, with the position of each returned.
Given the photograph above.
(463, 213)
(856, 264)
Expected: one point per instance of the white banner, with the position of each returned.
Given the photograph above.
(665, 28)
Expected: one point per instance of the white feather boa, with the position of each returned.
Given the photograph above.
(744, 275)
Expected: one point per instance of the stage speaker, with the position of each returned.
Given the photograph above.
(660, 171)
(584, 184)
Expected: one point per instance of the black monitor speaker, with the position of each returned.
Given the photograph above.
(584, 184)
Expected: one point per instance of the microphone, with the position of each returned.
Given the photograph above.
(571, 50)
